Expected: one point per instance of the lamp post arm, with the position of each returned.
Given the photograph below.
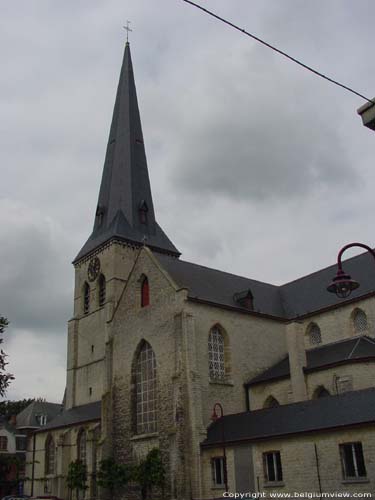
(351, 245)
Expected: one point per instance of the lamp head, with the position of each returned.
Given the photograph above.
(342, 285)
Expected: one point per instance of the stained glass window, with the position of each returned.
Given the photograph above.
(146, 390)
(216, 356)
(360, 321)
(81, 446)
(315, 335)
(145, 293)
(50, 455)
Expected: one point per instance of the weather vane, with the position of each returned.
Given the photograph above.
(127, 30)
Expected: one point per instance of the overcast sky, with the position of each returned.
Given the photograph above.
(257, 166)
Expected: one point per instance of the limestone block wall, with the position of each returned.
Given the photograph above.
(353, 376)
(209, 490)
(157, 325)
(87, 333)
(281, 390)
(254, 344)
(65, 441)
(302, 467)
(360, 375)
(337, 324)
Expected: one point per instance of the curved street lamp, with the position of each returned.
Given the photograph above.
(343, 284)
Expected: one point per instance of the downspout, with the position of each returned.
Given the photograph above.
(317, 469)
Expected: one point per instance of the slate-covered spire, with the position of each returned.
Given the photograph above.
(125, 209)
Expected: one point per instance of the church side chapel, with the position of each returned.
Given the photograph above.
(156, 342)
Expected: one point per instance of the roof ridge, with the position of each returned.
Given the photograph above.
(368, 338)
(354, 348)
(323, 269)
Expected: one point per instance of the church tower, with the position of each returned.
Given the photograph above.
(124, 221)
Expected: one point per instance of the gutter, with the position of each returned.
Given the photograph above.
(286, 434)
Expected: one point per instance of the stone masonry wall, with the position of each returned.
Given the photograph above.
(65, 441)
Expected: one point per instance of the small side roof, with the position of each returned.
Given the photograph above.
(27, 418)
(341, 352)
(332, 412)
(76, 415)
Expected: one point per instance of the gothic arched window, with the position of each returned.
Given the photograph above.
(321, 392)
(314, 334)
(50, 455)
(86, 297)
(81, 446)
(216, 354)
(101, 290)
(145, 292)
(271, 402)
(360, 321)
(145, 384)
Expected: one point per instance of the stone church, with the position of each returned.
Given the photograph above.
(155, 343)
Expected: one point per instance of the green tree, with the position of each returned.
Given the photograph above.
(112, 475)
(5, 377)
(9, 408)
(150, 473)
(77, 477)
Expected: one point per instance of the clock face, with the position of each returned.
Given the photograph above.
(93, 269)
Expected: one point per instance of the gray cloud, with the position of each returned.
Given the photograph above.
(257, 167)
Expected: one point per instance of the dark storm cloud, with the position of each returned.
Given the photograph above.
(35, 289)
(267, 144)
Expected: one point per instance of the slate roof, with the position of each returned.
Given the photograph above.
(298, 298)
(27, 418)
(333, 354)
(219, 287)
(125, 185)
(76, 415)
(331, 412)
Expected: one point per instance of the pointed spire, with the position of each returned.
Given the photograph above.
(125, 209)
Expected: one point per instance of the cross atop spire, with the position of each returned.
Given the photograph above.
(127, 30)
(125, 209)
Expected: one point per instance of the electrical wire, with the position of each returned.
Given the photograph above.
(300, 63)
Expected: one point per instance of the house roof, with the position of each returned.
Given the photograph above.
(331, 412)
(335, 353)
(125, 186)
(27, 418)
(298, 298)
(73, 416)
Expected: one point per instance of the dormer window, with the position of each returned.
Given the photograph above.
(42, 420)
(143, 210)
(244, 299)
(99, 215)
(145, 293)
